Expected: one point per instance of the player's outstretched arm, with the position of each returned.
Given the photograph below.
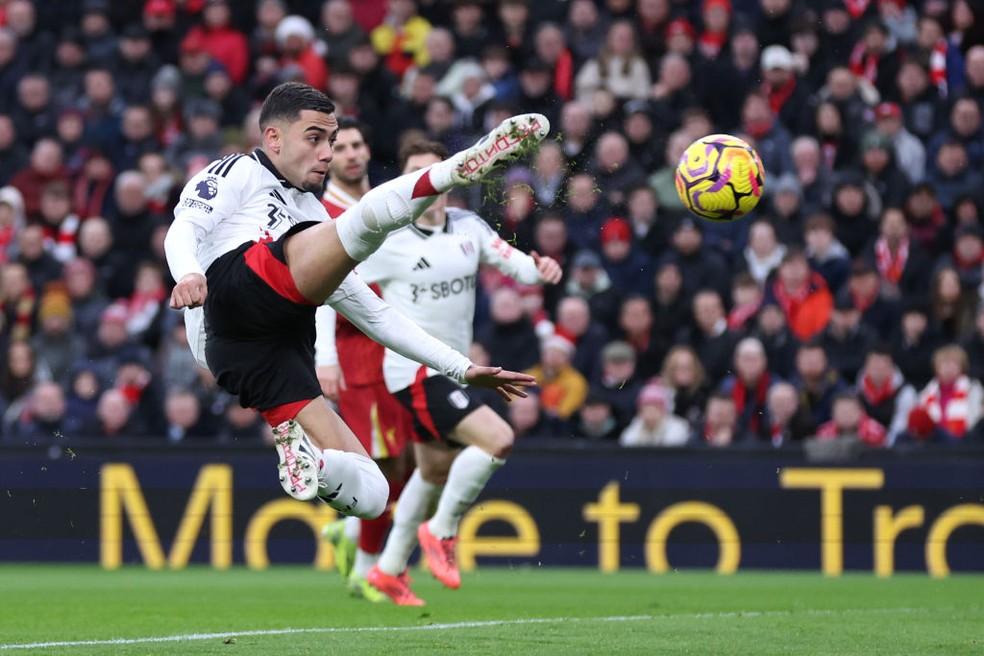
(509, 384)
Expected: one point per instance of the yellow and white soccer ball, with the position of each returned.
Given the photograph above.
(720, 178)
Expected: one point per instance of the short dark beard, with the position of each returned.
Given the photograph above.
(313, 187)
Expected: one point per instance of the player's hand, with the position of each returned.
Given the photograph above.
(332, 381)
(508, 384)
(190, 292)
(550, 271)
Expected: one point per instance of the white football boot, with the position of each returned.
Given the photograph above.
(513, 138)
(299, 461)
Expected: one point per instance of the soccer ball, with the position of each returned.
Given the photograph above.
(720, 178)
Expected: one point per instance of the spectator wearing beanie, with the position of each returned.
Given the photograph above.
(617, 382)
(802, 294)
(627, 267)
(588, 280)
(562, 388)
(880, 170)
(11, 222)
(57, 344)
(910, 153)
(654, 423)
(295, 41)
(787, 97)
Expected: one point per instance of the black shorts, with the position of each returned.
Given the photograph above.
(260, 330)
(438, 404)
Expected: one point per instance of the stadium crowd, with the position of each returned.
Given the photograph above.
(849, 305)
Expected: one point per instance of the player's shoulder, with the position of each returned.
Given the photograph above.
(231, 171)
(461, 220)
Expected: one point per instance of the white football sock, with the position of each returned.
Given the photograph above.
(412, 508)
(467, 477)
(352, 484)
(364, 226)
(352, 528)
(363, 563)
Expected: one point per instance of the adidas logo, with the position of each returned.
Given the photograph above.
(421, 264)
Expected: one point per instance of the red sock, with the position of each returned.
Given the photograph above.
(372, 532)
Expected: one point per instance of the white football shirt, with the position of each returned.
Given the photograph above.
(431, 278)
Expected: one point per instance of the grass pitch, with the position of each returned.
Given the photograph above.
(294, 611)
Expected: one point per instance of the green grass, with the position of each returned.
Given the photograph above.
(681, 613)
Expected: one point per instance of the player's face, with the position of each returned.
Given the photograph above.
(417, 162)
(303, 149)
(351, 157)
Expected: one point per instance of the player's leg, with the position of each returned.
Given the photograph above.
(347, 479)
(328, 252)
(489, 440)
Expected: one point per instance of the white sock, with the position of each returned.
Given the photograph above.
(352, 484)
(467, 477)
(364, 226)
(352, 526)
(363, 563)
(413, 507)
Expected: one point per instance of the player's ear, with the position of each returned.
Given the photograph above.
(272, 138)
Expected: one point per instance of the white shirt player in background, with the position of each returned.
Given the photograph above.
(249, 198)
(429, 270)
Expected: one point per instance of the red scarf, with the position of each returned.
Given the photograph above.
(863, 303)
(779, 95)
(868, 431)
(739, 316)
(6, 238)
(937, 66)
(790, 302)
(965, 265)
(739, 393)
(23, 315)
(875, 394)
(710, 43)
(891, 265)
(863, 64)
(564, 76)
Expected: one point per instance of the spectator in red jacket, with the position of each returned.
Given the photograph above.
(802, 294)
(295, 40)
(225, 44)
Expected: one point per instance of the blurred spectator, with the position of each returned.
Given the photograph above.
(849, 421)
(672, 93)
(701, 268)
(953, 310)
(719, 428)
(34, 117)
(113, 415)
(111, 344)
(710, 336)
(295, 41)
(44, 415)
(242, 424)
(763, 253)
(749, 387)
(779, 341)
(683, 374)
(20, 372)
(183, 414)
(818, 384)
(401, 38)
(637, 328)
(787, 97)
(81, 402)
(590, 282)
(655, 424)
(880, 170)
(135, 64)
(846, 339)
(628, 267)
(771, 139)
(509, 337)
(967, 258)
(59, 224)
(88, 301)
(900, 261)
(614, 169)
(11, 222)
(826, 255)
(41, 267)
(57, 345)
(13, 154)
(524, 416)
(562, 388)
(787, 420)
(586, 32)
(18, 301)
(886, 396)
(910, 154)
(812, 176)
(585, 211)
(574, 320)
(853, 211)
(802, 294)
(914, 342)
(618, 67)
(46, 165)
(617, 383)
(596, 420)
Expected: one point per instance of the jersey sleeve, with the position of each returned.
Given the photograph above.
(497, 252)
(205, 201)
(381, 322)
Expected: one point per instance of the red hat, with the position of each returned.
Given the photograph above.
(193, 43)
(724, 4)
(615, 229)
(679, 26)
(887, 110)
(561, 341)
(655, 393)
(160, 8)
(116, 313)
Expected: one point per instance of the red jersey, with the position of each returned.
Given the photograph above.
(360, 358)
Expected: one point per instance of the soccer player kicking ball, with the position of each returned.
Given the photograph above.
(350, 367)
(250, 244)
(429, 271)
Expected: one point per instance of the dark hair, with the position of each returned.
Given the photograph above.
(421, 147)
(880, 349)
(287, 100)
(349, 123)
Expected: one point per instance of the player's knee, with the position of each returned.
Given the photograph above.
(433, 473)
(376, 494)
